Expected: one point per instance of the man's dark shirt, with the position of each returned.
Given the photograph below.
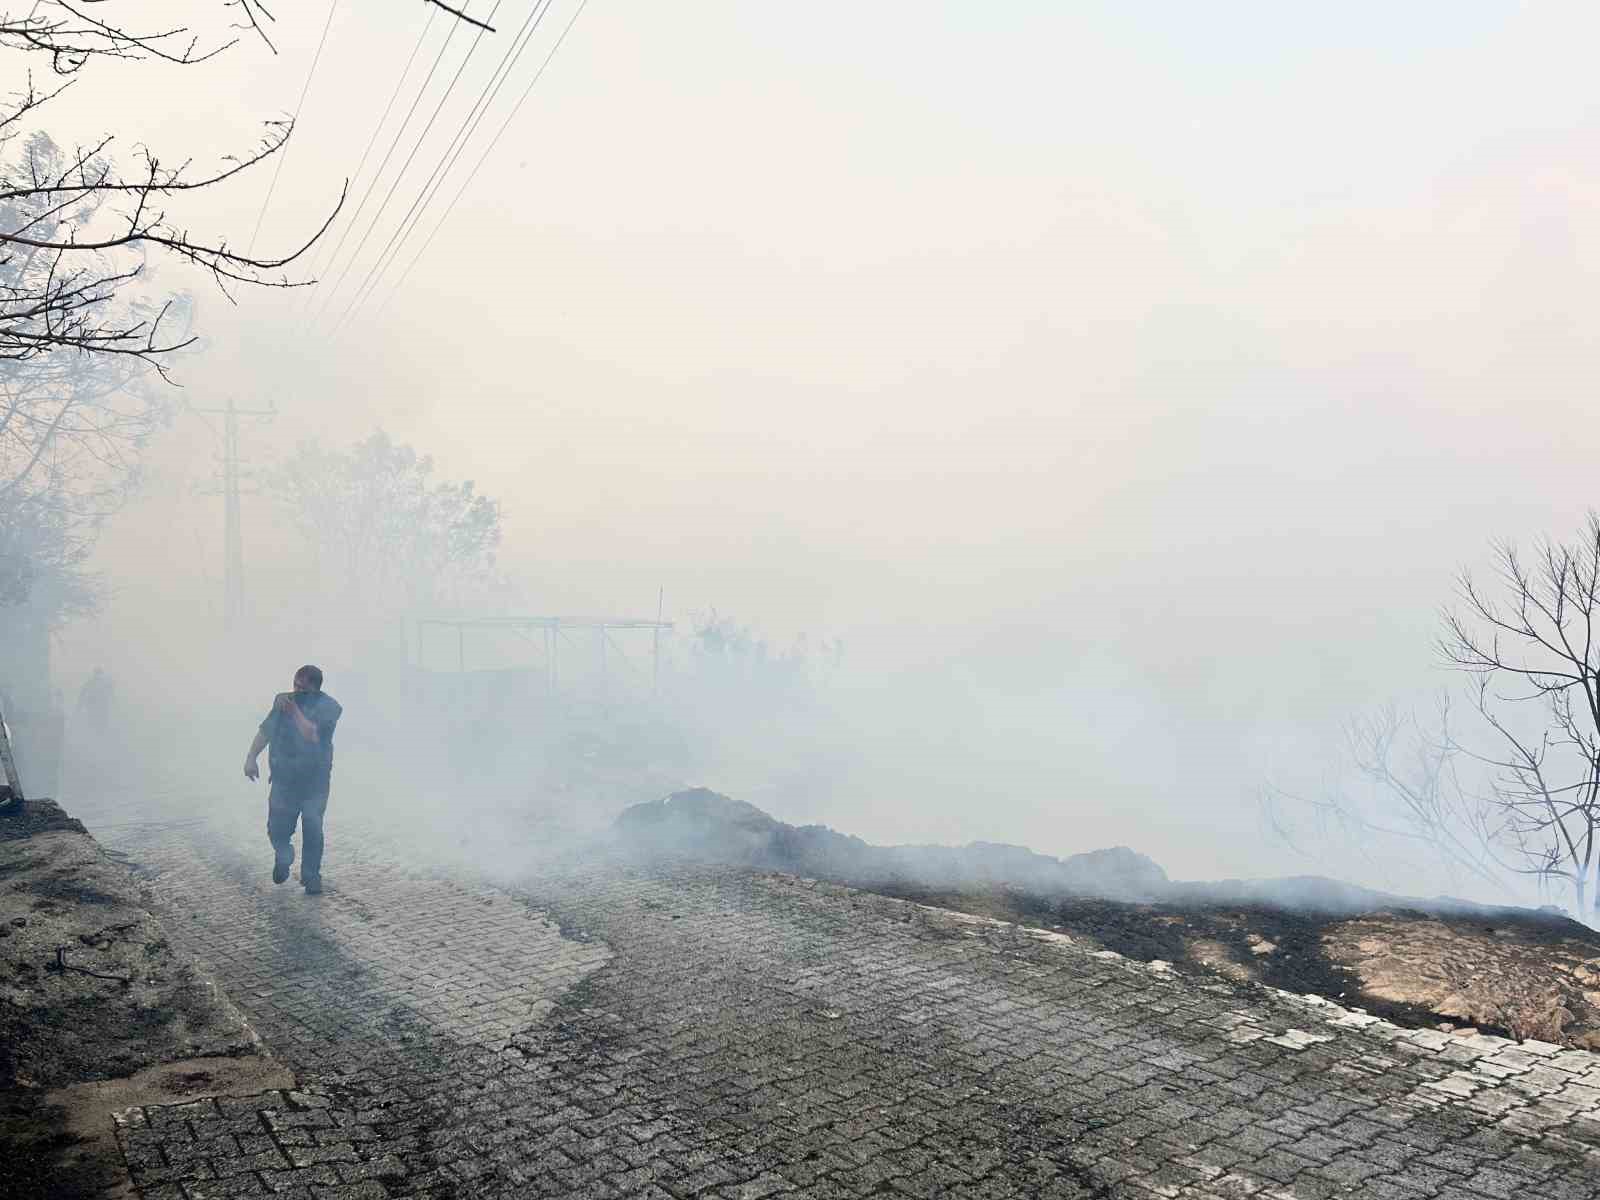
(294, 760)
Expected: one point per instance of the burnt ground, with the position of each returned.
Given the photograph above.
(18, 821)
(1515, 972)
(91, 993)
(39, 1151)
(605, 1027)
(592, 1025)
(1192, 939)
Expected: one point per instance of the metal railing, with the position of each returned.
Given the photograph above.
(11, 790)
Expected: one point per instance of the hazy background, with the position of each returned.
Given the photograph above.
(1120, 384)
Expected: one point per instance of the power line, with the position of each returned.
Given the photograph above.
(421, 138)
(495, 141)
(378, 128)
(394, 142)
(284, 153)
(447, 161)
(398, 134)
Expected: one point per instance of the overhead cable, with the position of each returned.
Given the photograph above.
(283, 153)
(388, 154)
(378, 128)
(466, 183)
(447, 161)
(405, 166)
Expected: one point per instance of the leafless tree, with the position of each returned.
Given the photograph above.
(1415, 799)
(72, 427)
(1518, 793)
(386, 535)
(80, 327)
(1531, 643)
(77, 231)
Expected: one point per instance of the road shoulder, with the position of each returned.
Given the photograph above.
(99, 1011)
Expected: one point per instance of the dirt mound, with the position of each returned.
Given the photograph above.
(1117, 872)
(708, 825)
(701, 821)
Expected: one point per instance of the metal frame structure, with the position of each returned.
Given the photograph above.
(553, 630)
(8, 766)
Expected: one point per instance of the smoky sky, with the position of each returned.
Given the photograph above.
(1122, 385)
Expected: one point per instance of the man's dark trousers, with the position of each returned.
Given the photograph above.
(303, 800)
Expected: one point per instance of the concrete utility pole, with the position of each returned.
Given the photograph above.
(232, 539)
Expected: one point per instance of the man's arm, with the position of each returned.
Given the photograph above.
(251, 771)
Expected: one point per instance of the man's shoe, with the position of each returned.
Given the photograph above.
(313, 885)
(280, 872)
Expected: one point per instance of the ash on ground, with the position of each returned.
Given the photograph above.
(1518, 972)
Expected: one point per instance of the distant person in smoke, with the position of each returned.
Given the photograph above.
(95, 700)
(299, 731)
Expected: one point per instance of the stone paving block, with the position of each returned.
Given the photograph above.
(1388, 1187)
(297, 1182)
(1236, 1187)
(227, 1188)
(351, 1191)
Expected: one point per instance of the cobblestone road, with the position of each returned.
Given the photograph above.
(600, 1029)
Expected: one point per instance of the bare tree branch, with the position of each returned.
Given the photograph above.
(81, 331)
(1545, 783)
(1520, 798)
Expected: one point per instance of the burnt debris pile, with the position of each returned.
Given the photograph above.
(706, 825)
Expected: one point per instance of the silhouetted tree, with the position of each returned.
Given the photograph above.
(386, 535)
(76, 231)
(78, 326)
(1520, 794)
(1532, 642)
(1416, 800)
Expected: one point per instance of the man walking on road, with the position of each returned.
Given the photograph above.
(299, 730)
